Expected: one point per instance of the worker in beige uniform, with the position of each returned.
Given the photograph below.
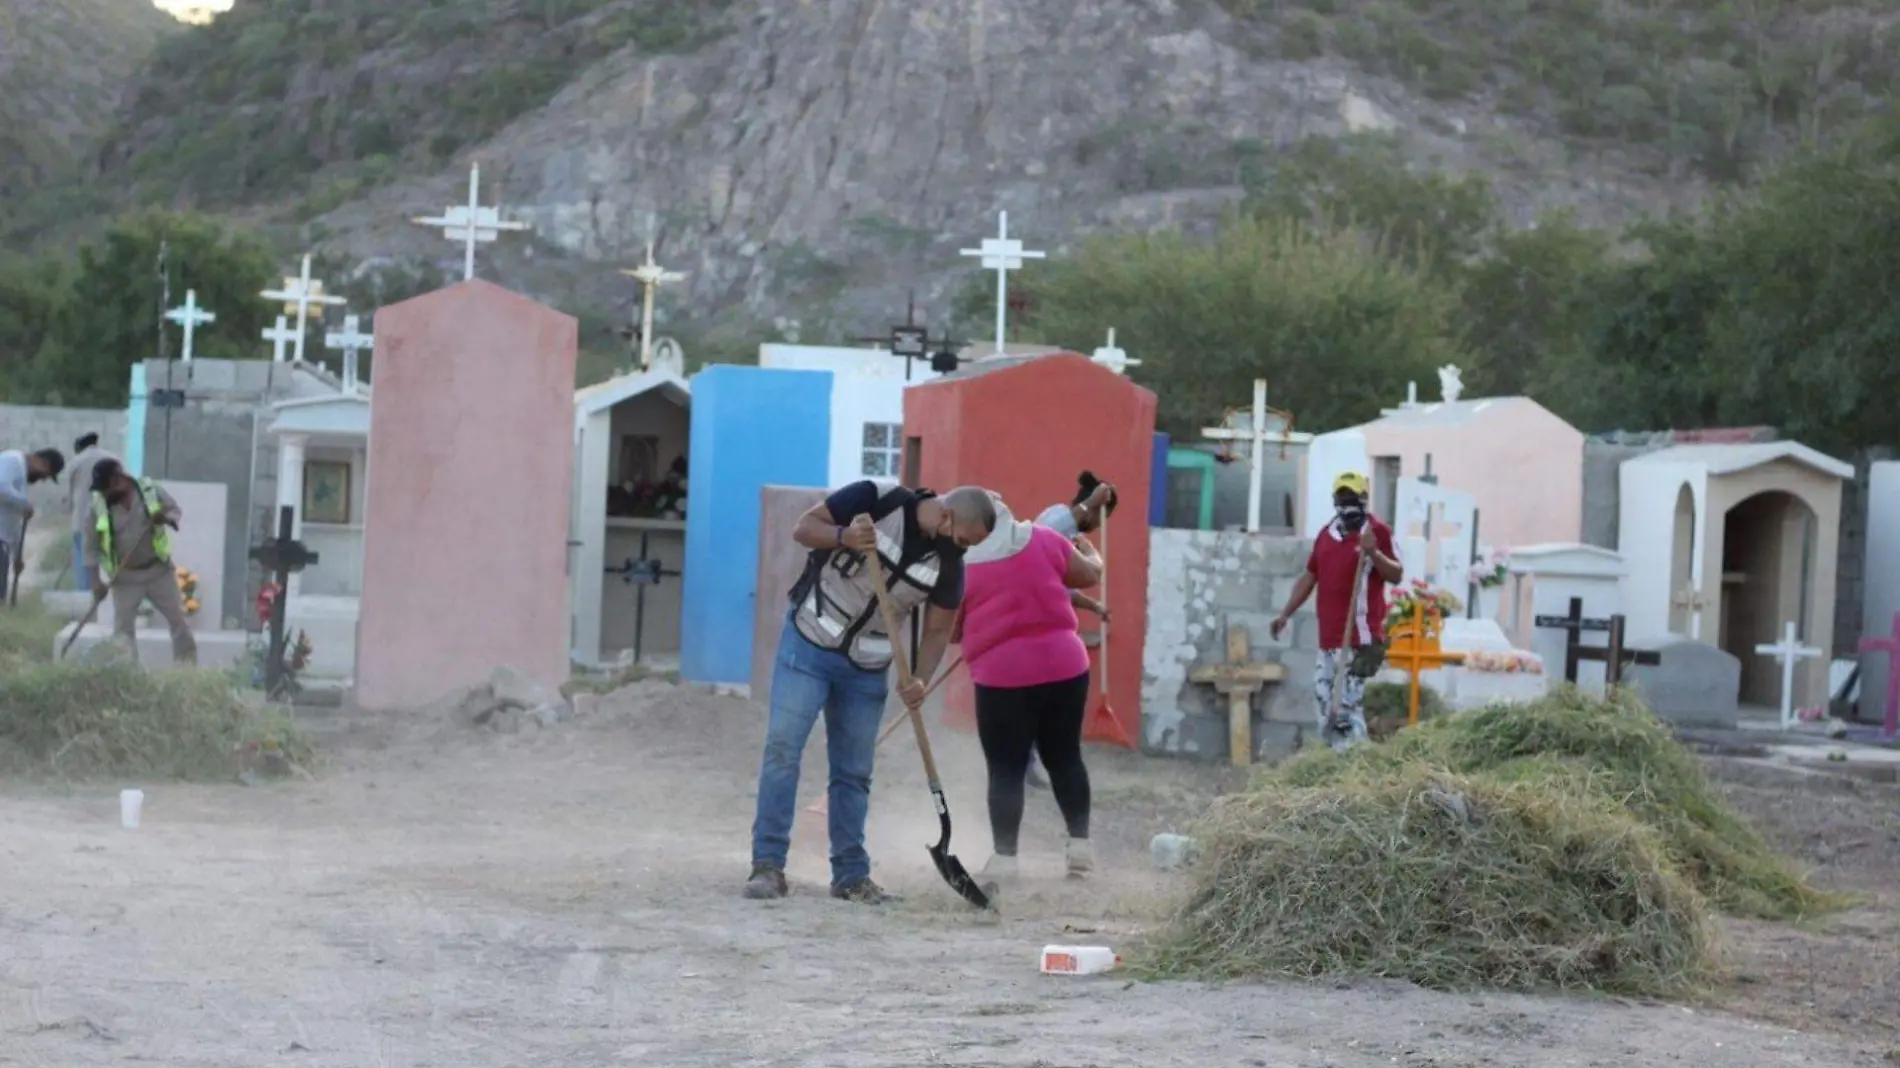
(130, 544)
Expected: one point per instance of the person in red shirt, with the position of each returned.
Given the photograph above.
(1351, 636)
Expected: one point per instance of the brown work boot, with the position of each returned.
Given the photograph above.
(863, 892)
(766, 884)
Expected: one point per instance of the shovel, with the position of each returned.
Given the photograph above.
(100, 593)
(822, 806)
(13, 588)
(949, 867)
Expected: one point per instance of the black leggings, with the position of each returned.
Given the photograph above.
(1010, 722)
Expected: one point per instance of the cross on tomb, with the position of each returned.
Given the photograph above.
(1613, 656)
(1891, 646)
(1239, 679)
(651, 276)
(279, 336)
(282, 556)
(1115, 359)
(909, 339)
(1002, 254)
(641, 572)
(189, 315)
(470, 223)
(1690, 600)
(1257, 433)
(351, 340)
(298, 294)
(1415, 651)
(1789, 651)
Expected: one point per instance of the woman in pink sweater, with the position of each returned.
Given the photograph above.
(1032, 674)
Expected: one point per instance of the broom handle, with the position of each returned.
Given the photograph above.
(892, 631)
(1104, 604)
(1360, 566)
(99, 596)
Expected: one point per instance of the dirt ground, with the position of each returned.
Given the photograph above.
(444, 896)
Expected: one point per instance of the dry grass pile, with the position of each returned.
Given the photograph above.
(1615, 747)
(81, 721)
(1448, 881)
(27, 631)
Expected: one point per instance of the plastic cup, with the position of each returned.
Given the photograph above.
(130, 804)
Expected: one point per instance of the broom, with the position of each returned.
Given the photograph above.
(1103, 724)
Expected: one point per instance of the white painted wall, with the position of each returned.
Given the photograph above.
(590, 529)
(1646, 538)
(867, 387)
(1881, 578)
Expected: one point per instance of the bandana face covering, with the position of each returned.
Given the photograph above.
(1351, 517)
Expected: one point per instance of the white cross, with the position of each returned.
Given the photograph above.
(298, 294)
(279, 336)
(1257, 433)
(1789, 651)
(470, 223)
(1113, 358)
(650, 275)
(351, 340)
(189, 315)
(1002, 254)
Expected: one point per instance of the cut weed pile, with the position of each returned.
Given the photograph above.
(1447, 881)
(1570, 842)
(1614, 746)
(79, 720)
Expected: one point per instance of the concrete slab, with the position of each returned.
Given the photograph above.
(219, 649)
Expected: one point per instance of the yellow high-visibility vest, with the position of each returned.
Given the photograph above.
(161, 537)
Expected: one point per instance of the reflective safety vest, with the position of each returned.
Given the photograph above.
(836, 608)
(154, 507)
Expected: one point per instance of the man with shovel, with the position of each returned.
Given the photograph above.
(1351, 565)
(130, 544)
(18, 470)
(834, 654)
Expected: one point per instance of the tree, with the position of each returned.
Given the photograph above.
(109, 317)
(1334, 324)
(1527, 305)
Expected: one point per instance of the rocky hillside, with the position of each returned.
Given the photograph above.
(63, 66)
(815, 157)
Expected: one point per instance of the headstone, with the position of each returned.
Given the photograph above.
(1543, 579)
(471, 451)
(1435, 530)
(198, 545)
(1693, 683)
(1002, 254)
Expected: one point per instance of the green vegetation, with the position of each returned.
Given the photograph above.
(1710, 84)
(1568, 843)
(1348, 273)
(332, 97)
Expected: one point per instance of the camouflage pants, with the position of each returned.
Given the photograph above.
(1343, 667)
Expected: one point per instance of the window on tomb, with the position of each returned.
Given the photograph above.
(883, 449)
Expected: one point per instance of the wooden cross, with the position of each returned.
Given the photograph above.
(1613, 656)
(1239, 679)
(1414, 650)
(1890, 646)
(1259, 435)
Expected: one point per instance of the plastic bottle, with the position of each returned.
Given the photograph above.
(1078, 960)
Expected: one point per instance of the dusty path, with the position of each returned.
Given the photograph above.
(463, 900)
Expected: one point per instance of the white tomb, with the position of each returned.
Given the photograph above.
(322, 460)
(1880, 583)
(1543, 580)
(1434, 529)
(1482, 640)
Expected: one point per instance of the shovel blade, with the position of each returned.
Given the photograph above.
(958, 877)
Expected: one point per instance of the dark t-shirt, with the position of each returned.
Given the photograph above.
(865, 498)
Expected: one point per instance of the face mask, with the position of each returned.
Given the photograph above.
(1351, 517)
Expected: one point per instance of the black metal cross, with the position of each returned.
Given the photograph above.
(911, 339)
(640, 574)
(282, 556)
(1613, 656)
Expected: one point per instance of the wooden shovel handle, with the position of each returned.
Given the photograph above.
(942, 677)
(893, 632)
(1360, 567)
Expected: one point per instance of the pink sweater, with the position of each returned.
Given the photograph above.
(1019, 628)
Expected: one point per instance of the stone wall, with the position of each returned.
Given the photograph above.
(31, 427)
(1199, 582)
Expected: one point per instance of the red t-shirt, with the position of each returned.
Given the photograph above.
(1331, 564)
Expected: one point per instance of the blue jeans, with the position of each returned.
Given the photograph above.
(807, 680)
(82, 575)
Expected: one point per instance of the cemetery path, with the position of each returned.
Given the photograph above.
(441, 896)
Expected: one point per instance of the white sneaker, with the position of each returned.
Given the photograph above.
(1081, 857)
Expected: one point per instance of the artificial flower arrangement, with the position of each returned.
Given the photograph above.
(188, 589)
(1504, 662)
(1406, 599)
(1495, 569)
(297, 650)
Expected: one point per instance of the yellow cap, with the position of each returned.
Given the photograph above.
(1351, 480)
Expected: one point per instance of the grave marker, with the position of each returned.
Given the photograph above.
(1115, 359)
(1257, 433)
(351, 340)
(1613, 656)
(650, 275)
(470, 223)
(298, 294)
(909, 339)
(1790, 652)
(1002, 254)
(1891, 646)
(282, 556)
(189, 315)
(1239, 679)
(279, 336)
(1415, 649)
